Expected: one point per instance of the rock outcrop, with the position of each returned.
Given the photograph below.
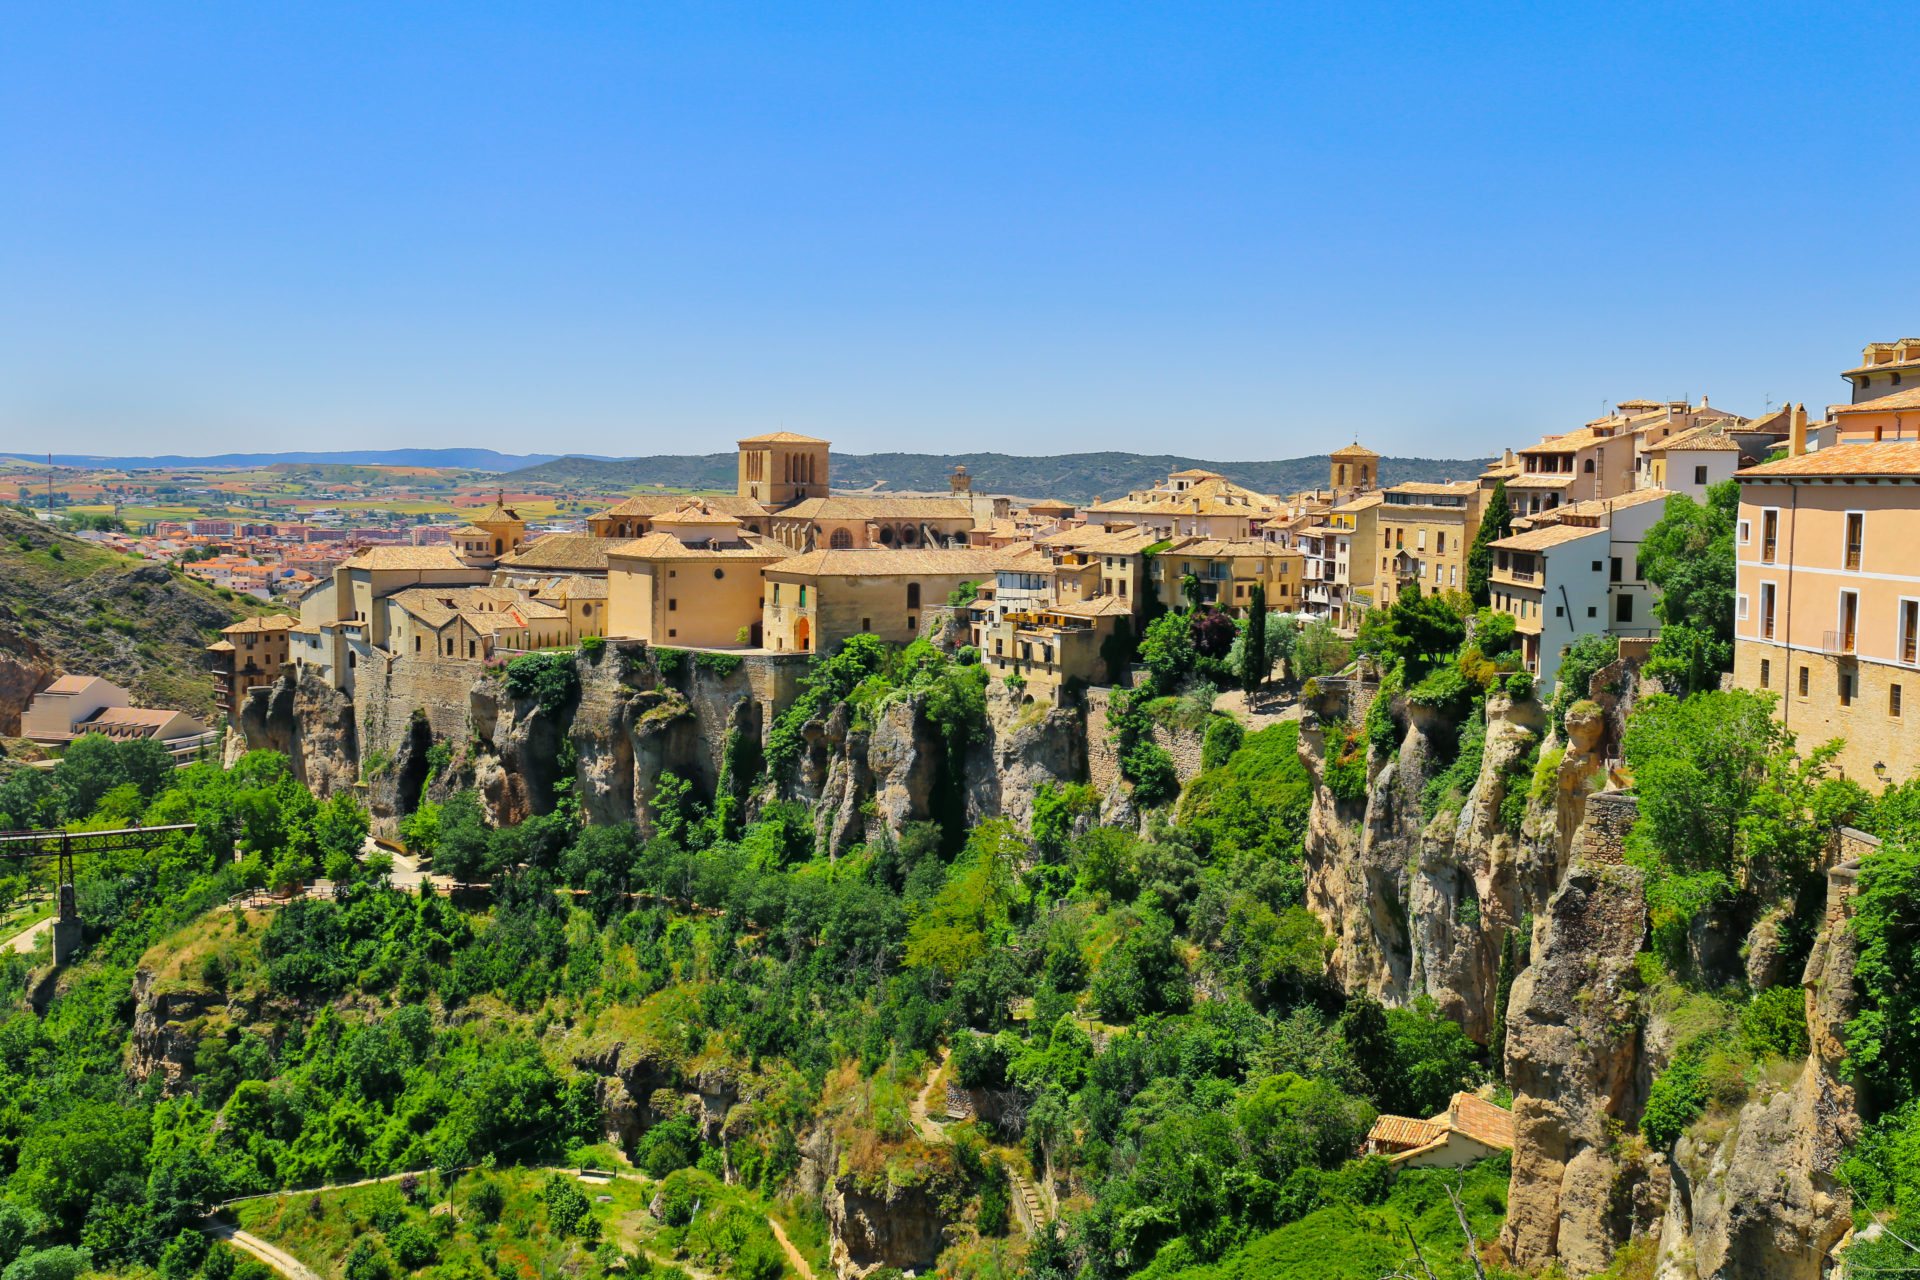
(877, 1222)
(311, 723)
(1761, 1202)
(1573, 1040)
(163, 1042)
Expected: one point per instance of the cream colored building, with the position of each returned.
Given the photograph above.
(781, 468)
(694, 582)
(851, 523)
(813, 601)
(1827, 604)
(1192, 503)
(1422, 533)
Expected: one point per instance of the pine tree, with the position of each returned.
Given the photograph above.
(1496, 522)
(1253, 646)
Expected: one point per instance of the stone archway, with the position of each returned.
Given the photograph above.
(802, 635)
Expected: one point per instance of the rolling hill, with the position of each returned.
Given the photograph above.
(1075, 477)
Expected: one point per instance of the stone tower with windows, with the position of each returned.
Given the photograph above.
(1354, 469)
(781, 468)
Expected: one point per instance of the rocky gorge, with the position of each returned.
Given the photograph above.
(1421, 891)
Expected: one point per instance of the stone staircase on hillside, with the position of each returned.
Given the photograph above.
(1027, 1204)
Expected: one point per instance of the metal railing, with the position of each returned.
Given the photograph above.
(1837, 642)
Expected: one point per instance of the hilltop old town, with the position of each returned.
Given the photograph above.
(1828, 610)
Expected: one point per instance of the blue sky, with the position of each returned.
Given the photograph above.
(1227, 231)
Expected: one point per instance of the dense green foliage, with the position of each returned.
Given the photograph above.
(1496, 522)
(1688, 555)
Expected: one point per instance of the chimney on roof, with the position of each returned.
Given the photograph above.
(1797, 432)
(1507, 461)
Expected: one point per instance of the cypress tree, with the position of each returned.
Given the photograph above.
(1253, 647)
(1497, 1042)
(1496, 522)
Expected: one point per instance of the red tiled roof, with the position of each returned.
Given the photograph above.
(1889, 458)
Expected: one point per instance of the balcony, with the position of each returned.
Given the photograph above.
(1839, 644)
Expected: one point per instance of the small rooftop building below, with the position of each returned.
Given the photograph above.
(1470, 1129)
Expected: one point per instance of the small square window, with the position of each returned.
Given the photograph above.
(1593, 611)
(1597, 565)
(673, 605)
(1559, 611)
(671, 633)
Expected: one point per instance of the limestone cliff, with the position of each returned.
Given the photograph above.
(311, 723)
(1573, 1046)
(1762, 1201)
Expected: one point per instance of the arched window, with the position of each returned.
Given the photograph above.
(908, 533)
(841, 540)
(886, 535)
(1589, 466)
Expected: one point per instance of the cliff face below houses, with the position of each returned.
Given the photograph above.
(1419, 890)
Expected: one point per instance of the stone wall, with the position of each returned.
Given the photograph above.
(387, 693)
(1610, 818)
(1103, 762)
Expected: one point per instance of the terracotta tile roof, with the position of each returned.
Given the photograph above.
(1403, 1131)
(390, 557)
(1536, 480)
(783, 437)
(1195, 473)
(1098, 607)
(1478, 1118)
(664, 546)
(1363, 502)
(1890, 458)
(221, 646)
(1547, 537)
(131, 717)
(267, 625)
(1355, 450)
(1600, 506)
(470, 531)
(1899, 401)
(880, 563)
(574, 587)
(1450, 488)
(579, 551)
(1050, 505)
(648, 505)
(864, 508)
(1711, 437)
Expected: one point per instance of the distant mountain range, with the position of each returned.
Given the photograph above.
(1074, 477)
(468, 459)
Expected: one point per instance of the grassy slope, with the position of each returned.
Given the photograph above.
(95, 612)
(1350, 1242)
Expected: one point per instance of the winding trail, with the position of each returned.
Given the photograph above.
(285, 1263)
(23, 943)
(927, 1128)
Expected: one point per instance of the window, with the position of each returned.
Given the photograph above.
(1766, 610)
(1856, 530)
(1740, 608)
(913, 595)
(1559, 611)
(1625, 611)
(1616, 574)
(803, 595)
(866, 624)
(416, 644)
(1803, 682)
(671, 633)
(673, 605)
(1769, 535)
(1699, 475)
(913, 624)
(1746, 532)
(1613, 569)
(1589, 467)
(1440, 541)
(840, 540)
(1893, 701)
(1909, 626)
(1593, 611)
(1849, 619)
(1846, 688)
(1766, 674)
(471, 644)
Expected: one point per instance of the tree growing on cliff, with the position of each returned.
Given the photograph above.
(1688, 555)
(1253, 643)
(1496, 522)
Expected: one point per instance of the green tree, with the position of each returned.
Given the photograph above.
(1253, 644)
(1688, 555)
(1496, 522)
(1318, 650)
(465, 847)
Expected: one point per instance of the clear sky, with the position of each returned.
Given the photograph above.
(1226, 231)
